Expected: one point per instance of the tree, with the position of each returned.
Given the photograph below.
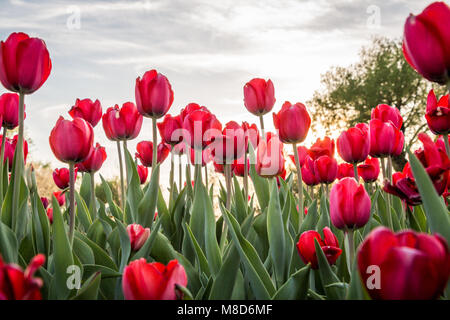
(381, 76)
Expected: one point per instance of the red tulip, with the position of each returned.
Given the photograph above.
(219, 168)
(259, 96)
(385, 139)
(24, 63)
(238, 167)
(404, 187)
(321, 147)
(87, 110)
(369, 169)
(292, 122)
(71, 141)
(345, 170)
(60, 197)
(10, 149)
(206, 157)
(329, 244)
(302, 154)
(154, 94)
(269, 159)
(152, 281)
(200, 128)
(230, 145)
(353, 145)
(387, 113)
(44, 201)
(138, 235)
(411, 265)
(94, 162)
(325, 169)
(61, 177)
(179, 149)
(50, 215)
(191, 107)
(122, 124)
(308, 172)
(251, 133)
(143, 173)
(426, 42)
(9, 109)
(171, 129)
(349, 204)
(15, 284)
(437, 114)
(145, 152)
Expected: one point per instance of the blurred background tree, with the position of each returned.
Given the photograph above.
(382, 75)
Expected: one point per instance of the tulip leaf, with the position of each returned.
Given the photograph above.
(324, 220)
(125, 245)
(89, 290)
(83, 252)
(355, 289)
(8, 244)
(311, 218)
(101, 257)
(261, 185)
(146, 249)
(296, 287)
(240, 202)
(435, 210)
(134, 192)
(40, 226)
(113, 208)
(107, 273)
(85, 188)
(147, 204)
(83, 212)
(201, 258)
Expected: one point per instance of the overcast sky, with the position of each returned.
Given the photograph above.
(207, 49)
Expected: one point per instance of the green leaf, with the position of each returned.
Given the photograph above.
(101, 257)
(85, 188)
(106, 272)
(240, 202)
(201, 258)
(113, 208)
(83, 252)
(146, 249)
(296, 287)
(260, 184)
(134, 191)
(9, 247)
(311, 218)
(147, 204)
(83, 212)
(125, 245)
(89, 290)
(327, 276)
(40, 226)
(324, 220)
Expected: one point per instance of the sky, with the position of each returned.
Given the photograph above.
(207, 49)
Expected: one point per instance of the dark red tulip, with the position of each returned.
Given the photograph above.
(145, 152)
(308, 172)
(302, 154)
(200, 128)
(292, 122)
(191, 107)
(385, 139)
(325, 169)
(44, 201)
(50, 215)
(154, 94)
(345, 170)
(259, 96)
(152, 281)
(171, 129)
(71, 141)
(24, 63)
(9, 109)
(369, 169)
(404, 187)
(411, 265)
(437, 114)
(349, 204)
(61, 177)
(94, 162)
(60, 197)
(143, 173)
(122, 123)
(426, 41)
(269, 157)
(87, 110)
(16, 284)
(206, 157)
(10, 148)
(138, 235)
(238, 167)
(230, 145)
(329, 244)
(219, 168)
(387, 113)
(251, 133)
(179, 149)
(353, 145)
(322, 147)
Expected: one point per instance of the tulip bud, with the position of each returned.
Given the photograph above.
(369, 169)
(200, 128)
(61, 177)
(24, 63)
(10, 149)
(259, 96)
(321, 147)
(349, 204)
(251, 133)
(437, 114)
(50, 215)
(238, 167)
(44, 201)
(385, 139)
(87, 110)
(292, 122)
(60, 197)
(308, 172)
(143, 173)
(302, 154)
(269, 159)
(122, 123)
(94, 162)
(230, 145)
(152, 281)
(345, 170)
(9, 109)
(171, 129)
(353, 145)
(387, 113)
(325, 169)
(144, 152)
(138, 235)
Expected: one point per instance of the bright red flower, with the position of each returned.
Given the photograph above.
(369, 169)
(61, 177)
(329, 244)
(89, 110)
(308, 172)
(152, 281)
(94, 162)
(411, 265)
(191, 107)
(238, 167)
(171, 129)
(71, 141)
(50, 215)
(269, 158)
(143, 173)
(44, 201)
(385, 139)
(437, 114)
(24, 63)
(387, 113)
(230, 145)
(122, 123)
(10, 149)
(325, 169)
(138, 235)
(353, 145)
(145, 152)
(259, 96)
(292, 122)
(322, 147)
(426, 42)
(251, 133)
(179, 149)
(154, 94)
(219, 168)
(60, 197)
(345, 170)
(9, 110)
(200, 128)
(302, 154)
(15, 284)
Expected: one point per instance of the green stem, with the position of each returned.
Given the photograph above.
(385, 169)
(19, 161)
(227, 171)
(355, 170)
(180, 173)
(155, 144)
(93, 204)
(124, 155)
(300, 186)
(172, 168)
(206, 178)
(122, 185)
(351, 248)
(447, 145)
(245, 177)
(2, 162)
(72, 202)
(261, 121)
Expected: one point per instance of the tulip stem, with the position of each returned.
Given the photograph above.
(124, 155)
(261, 121)
(388, 197)
(2, 163)
(19, 161)
(206, 178)
(246, 175)
(447, 145)
(227, 171)
(355, 170)
(92, 204)
(300, 186)
(72, 202)
(155, 144)
(180, 172)
(351, 248)
(122, 186)
(172, 173)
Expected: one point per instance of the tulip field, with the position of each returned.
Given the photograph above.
(342, 225)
